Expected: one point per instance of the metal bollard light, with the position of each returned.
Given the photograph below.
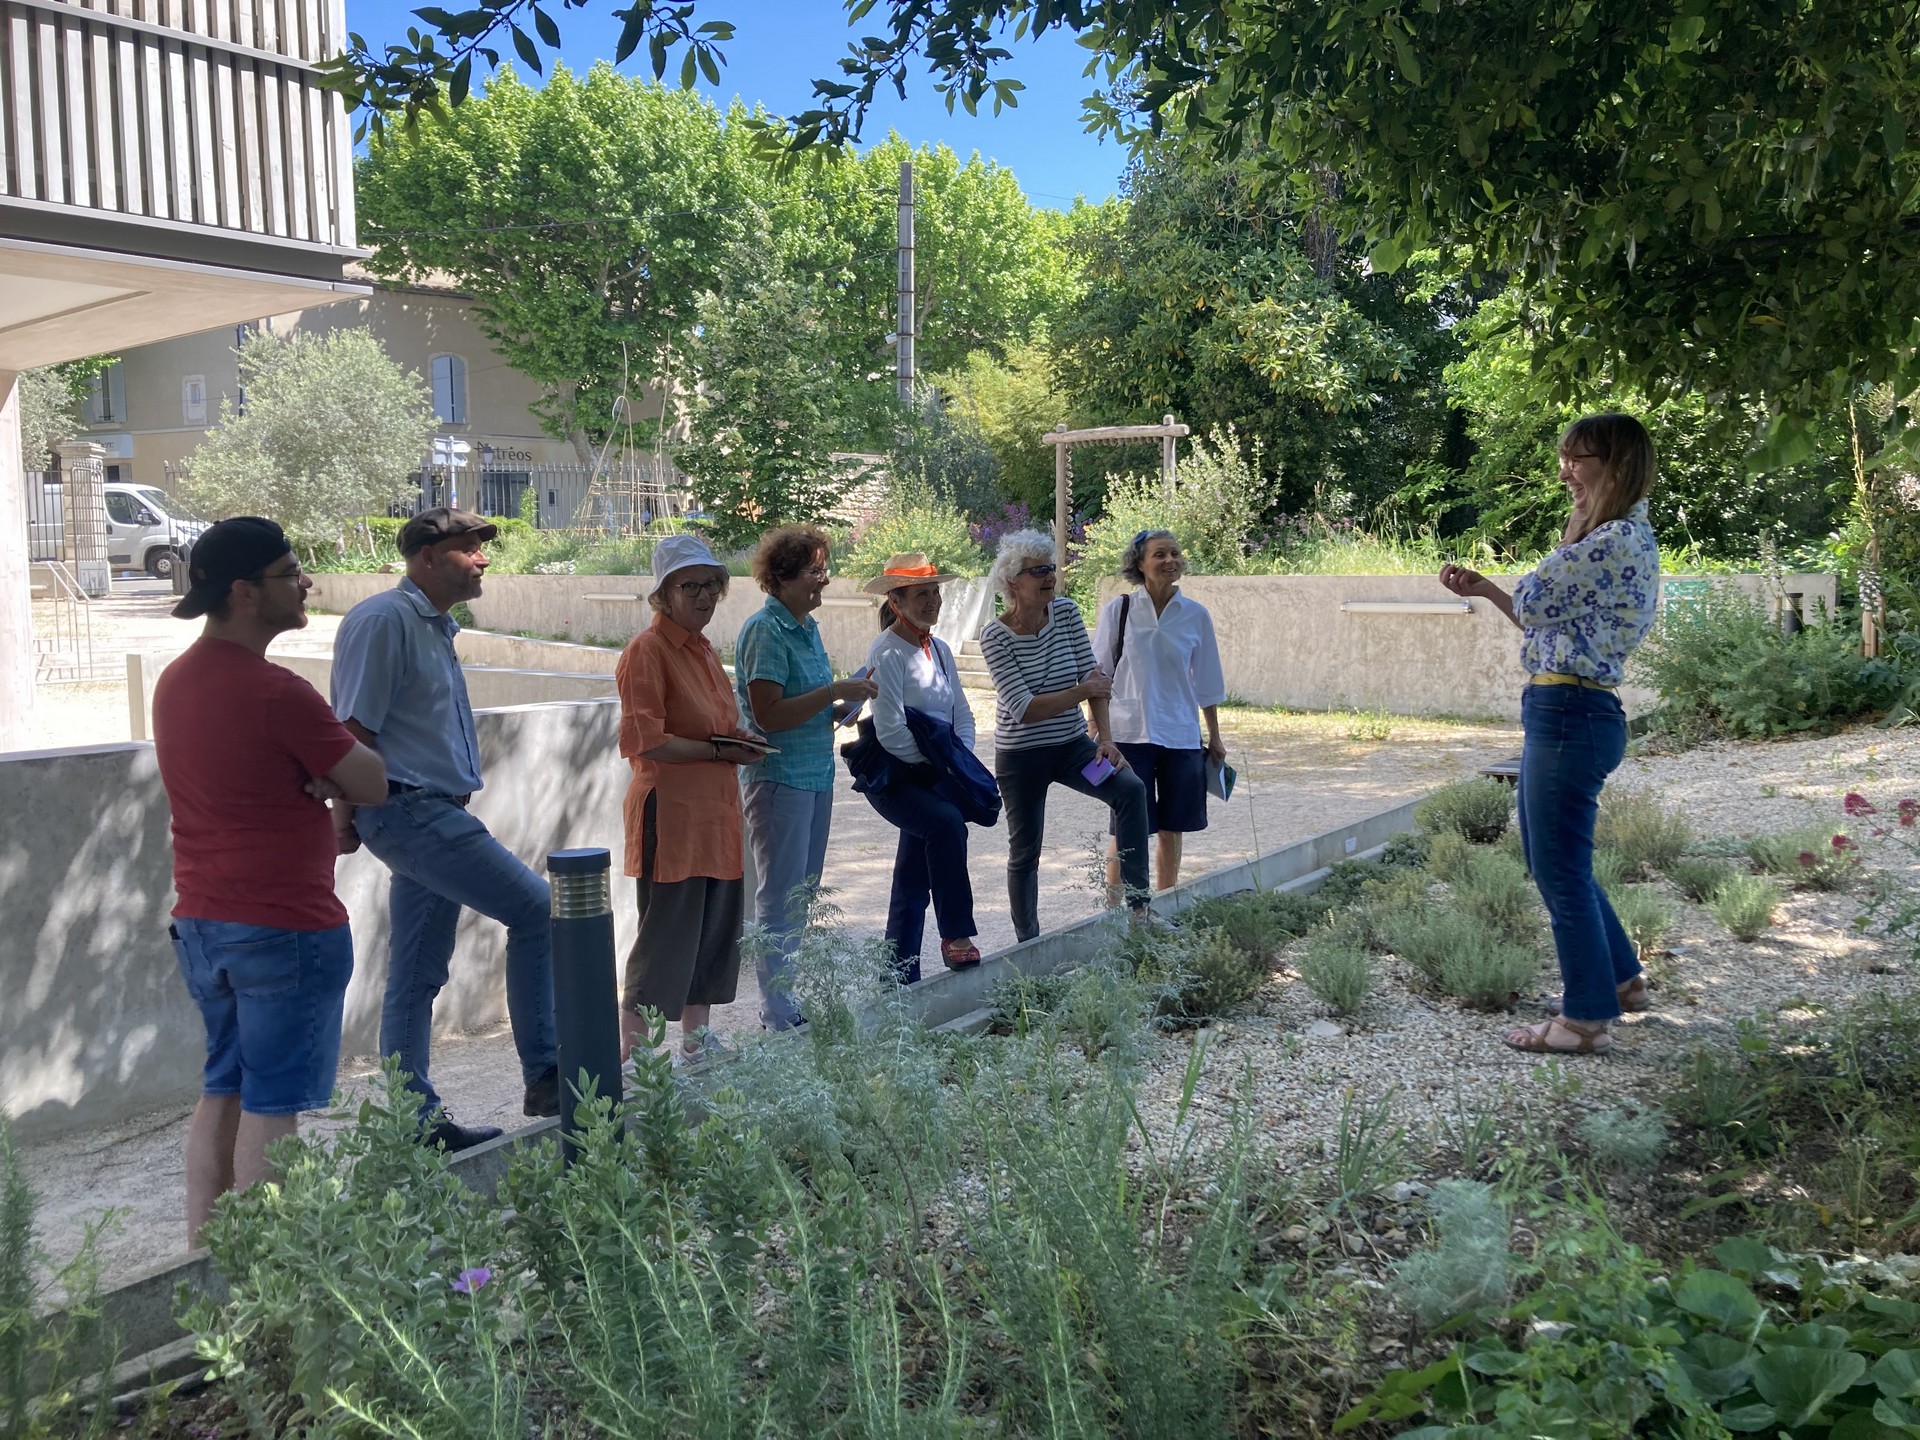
(586, 1002)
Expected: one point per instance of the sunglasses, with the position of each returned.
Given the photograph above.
(1039, 571)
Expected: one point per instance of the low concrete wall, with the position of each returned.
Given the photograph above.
(488, 687)
(517, 652)
(1284, 640)
(614, 607)
(96, 1026)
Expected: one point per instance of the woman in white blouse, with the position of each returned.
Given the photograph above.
(1158, 648)
(912, 668)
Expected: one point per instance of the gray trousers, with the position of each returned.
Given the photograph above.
(787, 832)
(688, 948)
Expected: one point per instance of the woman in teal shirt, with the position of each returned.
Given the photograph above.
(786, 686)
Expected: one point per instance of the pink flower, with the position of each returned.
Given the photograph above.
(1841, 844)
(1858, 804)
(1909, 810)
(469, 1282)
(1808, 859)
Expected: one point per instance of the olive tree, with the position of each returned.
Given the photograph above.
(332, 430)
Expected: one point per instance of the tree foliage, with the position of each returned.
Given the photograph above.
(1699, 196)
(332, 430)
(1204, 300)
(586, 218)
(770, 408)
(1508, 492)
(1010, 403)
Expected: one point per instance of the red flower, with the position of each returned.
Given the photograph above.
(1909, 810)
(1841, 844)
(1858, 804)
(1808, 859)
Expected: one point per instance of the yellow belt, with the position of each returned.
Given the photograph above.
(1582, 681)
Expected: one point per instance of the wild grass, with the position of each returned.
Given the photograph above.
(1645, 914)
(1745, 904)
(1337, 967)
(1808, 858)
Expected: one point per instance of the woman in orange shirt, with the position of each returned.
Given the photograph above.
(683, 804)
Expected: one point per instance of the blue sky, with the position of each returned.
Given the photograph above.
(781, 46)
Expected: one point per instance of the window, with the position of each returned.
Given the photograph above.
(449, 389)
(107, 396)
(193, 399)
(123, 509)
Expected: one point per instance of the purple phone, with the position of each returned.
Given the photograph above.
(1097, 770)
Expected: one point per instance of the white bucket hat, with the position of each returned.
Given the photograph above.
(677, 552)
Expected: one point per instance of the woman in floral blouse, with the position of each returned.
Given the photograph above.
(1582, 612)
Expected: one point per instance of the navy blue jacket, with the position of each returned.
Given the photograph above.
(960, 777)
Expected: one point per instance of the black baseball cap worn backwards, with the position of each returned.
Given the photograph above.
(235, 549)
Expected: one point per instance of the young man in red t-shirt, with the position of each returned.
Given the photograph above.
(250, 754)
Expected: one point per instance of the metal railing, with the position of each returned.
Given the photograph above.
(62, 628)
(202, 112)
(45, 540)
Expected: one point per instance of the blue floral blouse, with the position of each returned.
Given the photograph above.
(1588, 604)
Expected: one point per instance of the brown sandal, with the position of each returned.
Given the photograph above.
(1533, 1039)
(960, 954)
(1634, 999)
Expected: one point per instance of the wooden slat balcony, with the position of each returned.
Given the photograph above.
(190, 130)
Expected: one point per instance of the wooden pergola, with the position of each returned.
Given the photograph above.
(1063, 440)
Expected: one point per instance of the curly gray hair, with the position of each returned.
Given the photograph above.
(1019, 549)
(1136, 551)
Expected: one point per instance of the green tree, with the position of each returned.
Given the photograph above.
(585, 218)
(1223, 304)
(332, 430)
(50, 400)
(1010, 404)
(1508, 493)
(770, 410)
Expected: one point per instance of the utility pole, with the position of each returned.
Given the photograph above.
(903, 355)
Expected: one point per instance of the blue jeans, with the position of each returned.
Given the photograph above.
(1575, 738)
(930, 864)
(787, 828)
(272, 1002)
(443, 859)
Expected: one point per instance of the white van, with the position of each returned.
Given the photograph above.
(147, 529)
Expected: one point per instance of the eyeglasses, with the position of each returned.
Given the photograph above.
(694, 589)
(1039, 572)
(1581, 455)
(296, 574)
(817, 572)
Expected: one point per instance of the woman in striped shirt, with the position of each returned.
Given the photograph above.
(1042, 664)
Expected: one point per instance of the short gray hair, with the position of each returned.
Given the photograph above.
(1018, 549)
(1136, 551)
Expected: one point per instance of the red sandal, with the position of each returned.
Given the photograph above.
(960, 954)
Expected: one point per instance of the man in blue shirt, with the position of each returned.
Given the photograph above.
(398, 687)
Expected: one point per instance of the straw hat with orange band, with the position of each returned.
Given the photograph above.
(907, 569)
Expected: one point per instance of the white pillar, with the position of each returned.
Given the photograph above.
(16, 604)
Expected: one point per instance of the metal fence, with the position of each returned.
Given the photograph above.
(560, 497)
(45, 542)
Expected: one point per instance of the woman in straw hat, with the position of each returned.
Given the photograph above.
(682, 810)
(912, 668)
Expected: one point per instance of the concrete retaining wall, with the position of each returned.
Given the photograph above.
(488, 687)
(1285, 640)
(96, 1027)
(614, 607)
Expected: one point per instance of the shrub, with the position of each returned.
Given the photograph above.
(1699, 876)
(1337, 967)
(1215, 500)
(1449, 855)
(1745, 904)
(1477, 809)
(1260, 922)
(1369, 726)
(1465, 1268)
(1409, 847)
(1722, 668)
(1609, 868)
(940, 532)
(1497, 891)
(1645, 914)
(1815, 858)
(1198, 971)
(1625, 1139)
(1459, 955)
(1646, 834)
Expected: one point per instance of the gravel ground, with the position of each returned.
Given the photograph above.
(1435, 1059)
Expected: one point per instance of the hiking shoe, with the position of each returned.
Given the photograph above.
(453, 1137)
(543, 1095)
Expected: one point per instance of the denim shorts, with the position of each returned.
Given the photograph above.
(272, 1001)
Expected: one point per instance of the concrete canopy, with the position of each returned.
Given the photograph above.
(62, 302)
